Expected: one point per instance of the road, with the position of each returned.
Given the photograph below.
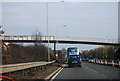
(89, 71)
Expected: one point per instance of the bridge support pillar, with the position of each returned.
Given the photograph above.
(54, 48)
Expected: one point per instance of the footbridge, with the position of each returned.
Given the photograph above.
(53, 39)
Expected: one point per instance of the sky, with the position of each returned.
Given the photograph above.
(0, 13)
(65, 19)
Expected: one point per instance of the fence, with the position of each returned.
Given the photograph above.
(28, 38)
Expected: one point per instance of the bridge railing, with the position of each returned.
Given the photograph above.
(28, 38)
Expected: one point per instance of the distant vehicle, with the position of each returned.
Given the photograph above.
(73, 57)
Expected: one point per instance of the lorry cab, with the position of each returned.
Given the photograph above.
(73, 57)
(74, 60)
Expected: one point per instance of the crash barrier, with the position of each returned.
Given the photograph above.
(23, 68)
(114, 63)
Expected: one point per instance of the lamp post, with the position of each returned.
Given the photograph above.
(48, 34)
(56, 52)
(65, 29)
(1, 32)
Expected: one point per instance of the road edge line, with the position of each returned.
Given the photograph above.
(56, 74)
(52, 74)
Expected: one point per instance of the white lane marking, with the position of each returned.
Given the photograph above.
(94, 71)
(56, 75)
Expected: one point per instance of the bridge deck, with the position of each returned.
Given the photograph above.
(52, 39)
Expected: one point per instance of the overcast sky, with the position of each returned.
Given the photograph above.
(81, 19)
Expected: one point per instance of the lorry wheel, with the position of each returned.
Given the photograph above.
(80, 66)
(69, 66)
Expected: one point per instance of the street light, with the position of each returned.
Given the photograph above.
(48, 33)
(56, 53)
(1, 32)
(65, 30)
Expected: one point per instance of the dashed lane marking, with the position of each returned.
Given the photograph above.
(94, 71)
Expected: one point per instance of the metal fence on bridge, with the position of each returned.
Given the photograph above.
(28, 37)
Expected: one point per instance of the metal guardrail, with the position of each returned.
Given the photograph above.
(22, 66)
(27, 37)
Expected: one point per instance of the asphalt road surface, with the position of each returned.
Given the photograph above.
(89, 71)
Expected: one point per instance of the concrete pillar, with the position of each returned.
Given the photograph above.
(55, 48)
